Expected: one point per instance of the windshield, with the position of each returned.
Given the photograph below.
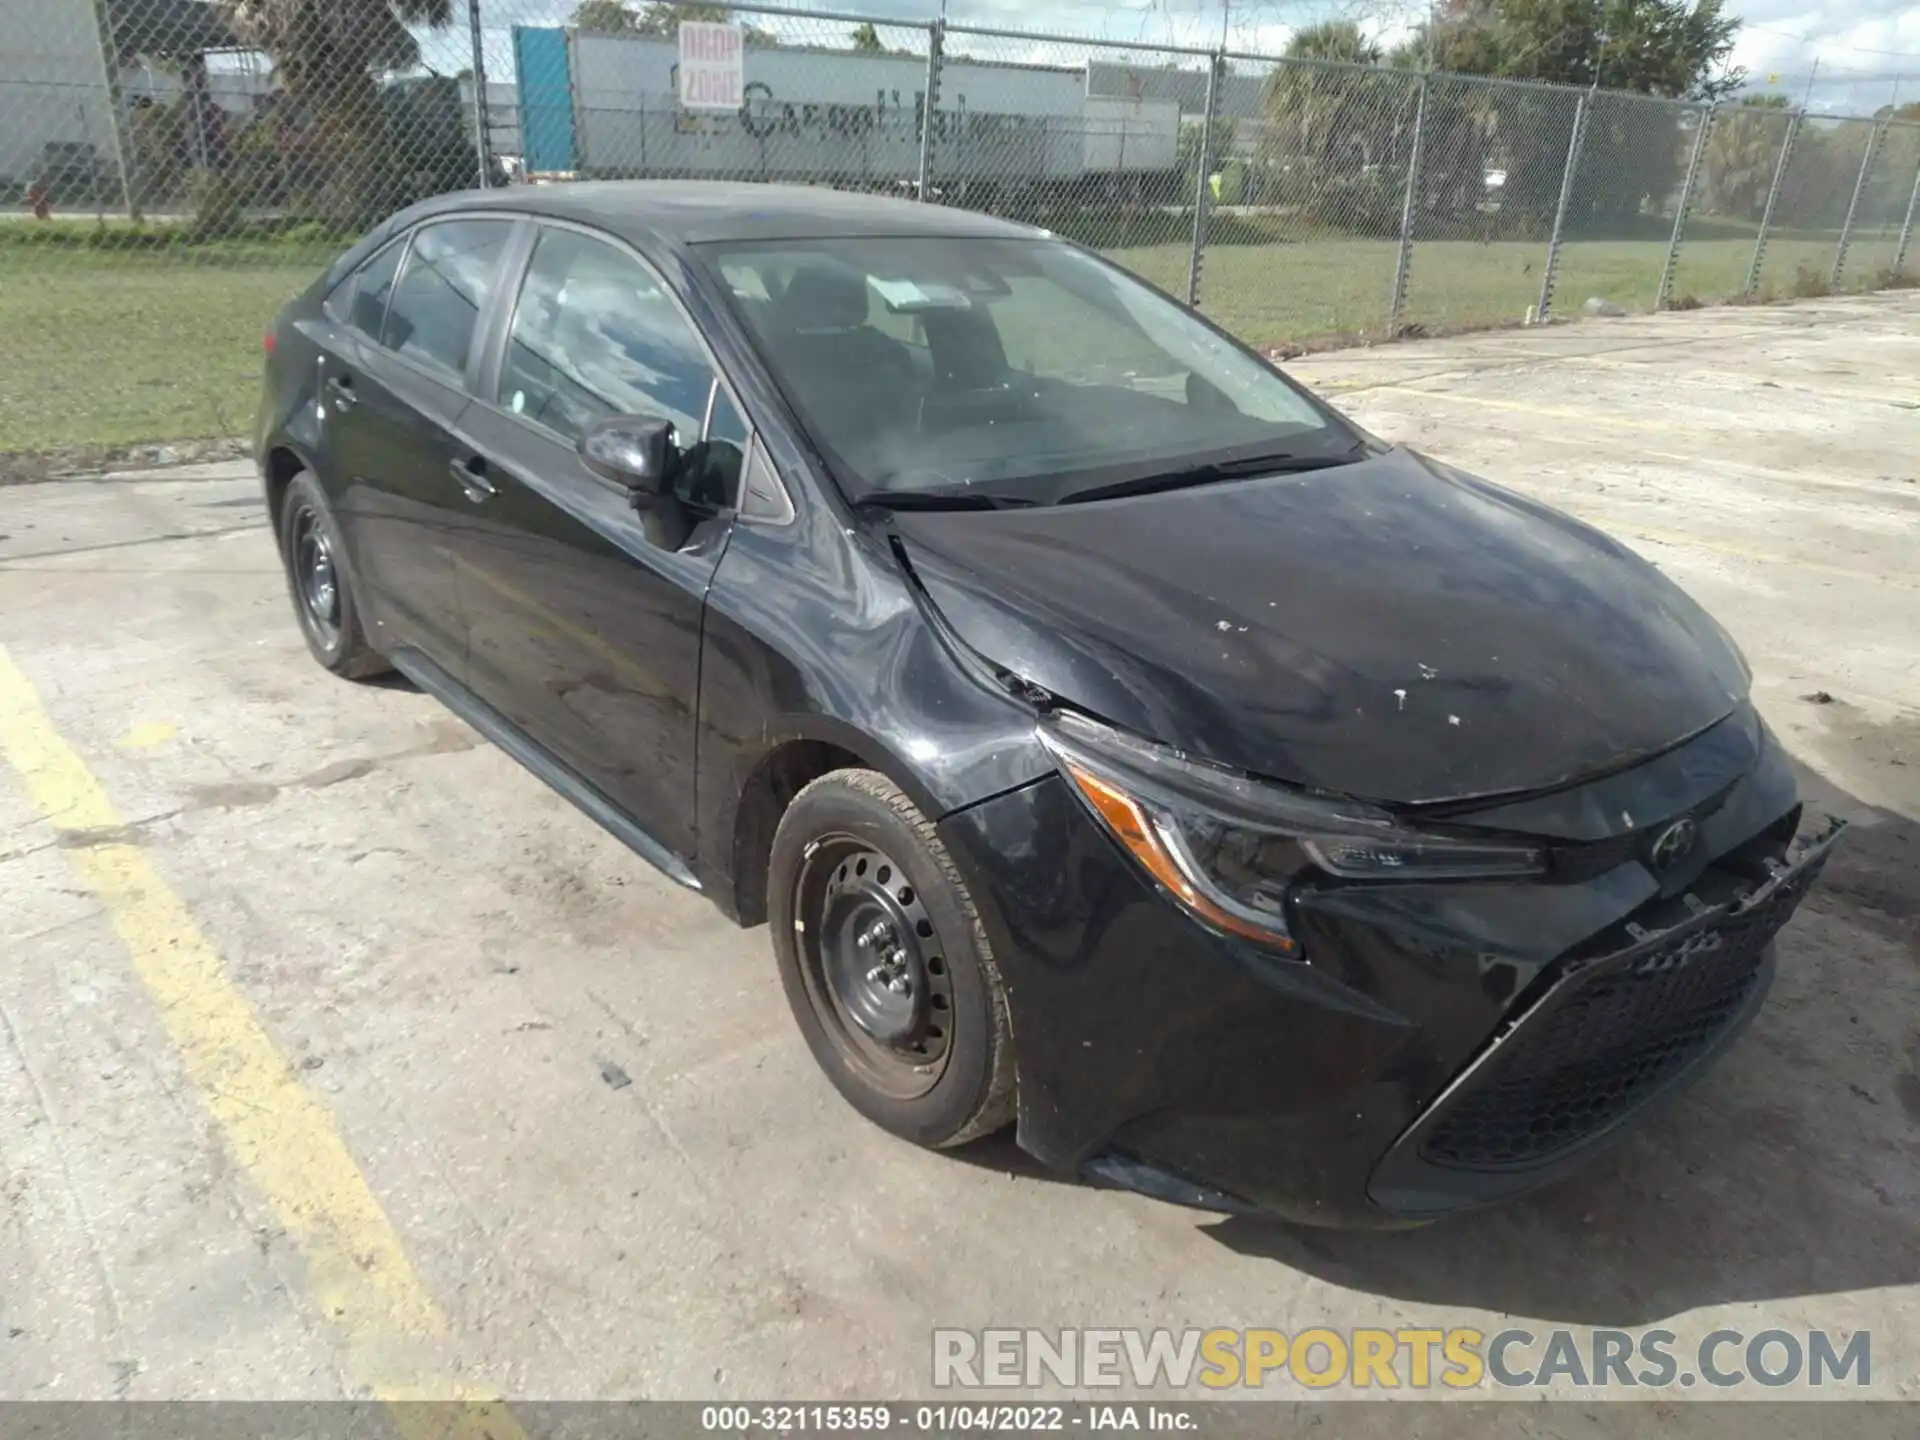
(1026, 369)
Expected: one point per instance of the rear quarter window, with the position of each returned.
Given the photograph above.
(364, 295)
(451, 271)
(338, 306)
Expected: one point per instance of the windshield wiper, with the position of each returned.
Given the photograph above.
(1208, 474)
(938, 500)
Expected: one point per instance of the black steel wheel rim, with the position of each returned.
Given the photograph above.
(316, 579)
(875, 968)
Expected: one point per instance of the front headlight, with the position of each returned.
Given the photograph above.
(1230, 848)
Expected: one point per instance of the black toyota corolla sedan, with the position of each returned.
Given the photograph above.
(1118, 741)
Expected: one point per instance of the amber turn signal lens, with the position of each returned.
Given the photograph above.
(1131, 827)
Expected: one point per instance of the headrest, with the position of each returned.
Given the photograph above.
(824, 297)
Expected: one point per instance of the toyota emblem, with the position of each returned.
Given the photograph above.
(1676, 842)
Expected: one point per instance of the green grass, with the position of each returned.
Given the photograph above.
(103, 347)
(1324, 289)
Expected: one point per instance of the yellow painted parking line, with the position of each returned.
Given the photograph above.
(147, 736)
(280, 1133)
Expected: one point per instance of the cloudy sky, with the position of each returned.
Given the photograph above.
(1868, 51)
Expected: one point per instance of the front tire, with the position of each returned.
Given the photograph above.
(323, 601)
(885, 964)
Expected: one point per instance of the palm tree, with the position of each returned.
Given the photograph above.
(1333, 40)
(1318, 109)
(331, 56)
(1329, 124)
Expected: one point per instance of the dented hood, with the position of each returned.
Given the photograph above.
(1392, 629)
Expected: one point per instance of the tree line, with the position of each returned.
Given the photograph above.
(1333, 139)
(1330, 140)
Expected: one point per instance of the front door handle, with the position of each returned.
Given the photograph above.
(472, 475)
(340, 387)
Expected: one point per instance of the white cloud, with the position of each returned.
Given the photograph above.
(1868, 51)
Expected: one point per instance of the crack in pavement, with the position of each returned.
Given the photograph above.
(7, 562)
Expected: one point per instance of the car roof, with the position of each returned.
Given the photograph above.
(693, 212)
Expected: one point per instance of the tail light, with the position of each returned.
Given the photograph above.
(269, 342)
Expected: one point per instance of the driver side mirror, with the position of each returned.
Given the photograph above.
(634, 451)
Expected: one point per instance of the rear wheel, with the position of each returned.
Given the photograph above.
(885, 965)
(323, 601)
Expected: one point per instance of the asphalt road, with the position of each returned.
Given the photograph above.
(338, 1057)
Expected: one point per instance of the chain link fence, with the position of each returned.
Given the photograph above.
(1810, 205)
(1880, 210)
(172, 170)
(1488, 188)
(1084, 139)
(1304, 246)
(1733, 188)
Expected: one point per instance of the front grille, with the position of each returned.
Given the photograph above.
(1607, 1040)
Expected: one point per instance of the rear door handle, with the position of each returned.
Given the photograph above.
(471, 474)
(340, 387)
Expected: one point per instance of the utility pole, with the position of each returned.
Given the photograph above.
(1806, 102)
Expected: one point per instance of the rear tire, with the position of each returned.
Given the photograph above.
(323, 601)
(885, 964)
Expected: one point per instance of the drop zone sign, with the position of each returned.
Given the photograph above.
(712, 66)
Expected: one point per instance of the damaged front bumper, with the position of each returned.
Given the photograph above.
(1445, 1046)
(1608, 1034)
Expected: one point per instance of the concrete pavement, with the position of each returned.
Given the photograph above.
(317, 1015)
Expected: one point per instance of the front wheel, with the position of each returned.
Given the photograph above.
(885, 965)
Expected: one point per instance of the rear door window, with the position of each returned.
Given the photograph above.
(445, 286)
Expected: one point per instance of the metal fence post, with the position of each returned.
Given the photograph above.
(936, 35)
(1409, 208)
(1853, 205)
(1575, 141)
(1686, 203)
(482, 123)
(1906, 226)
(1773, 196)
(1202, 184)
